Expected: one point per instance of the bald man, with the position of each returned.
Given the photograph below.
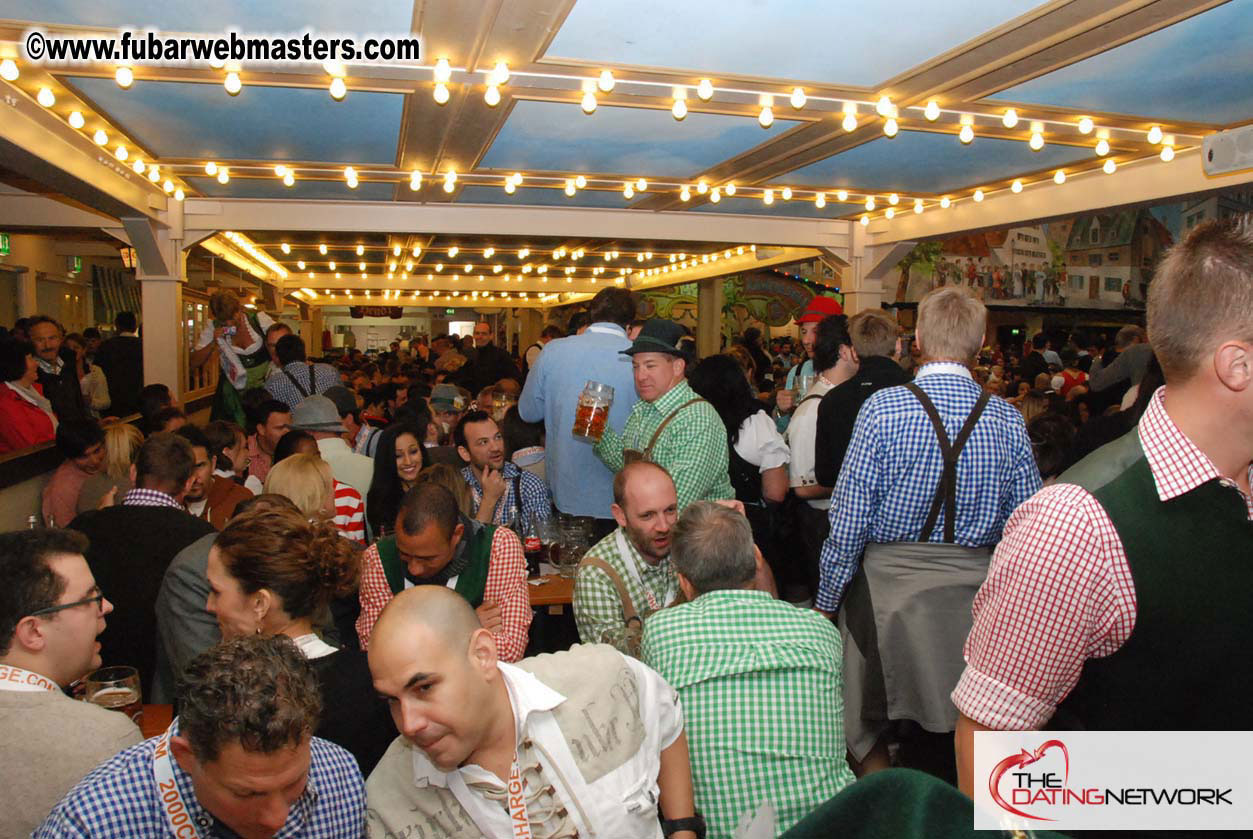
(633, 560)
(569, 744)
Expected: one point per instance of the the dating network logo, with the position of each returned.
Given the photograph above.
(1046, 785)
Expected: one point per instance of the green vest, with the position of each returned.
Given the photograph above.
(1186, 664)
(470, 582)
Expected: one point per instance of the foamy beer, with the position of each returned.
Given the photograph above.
(117, 689)
(592, 412)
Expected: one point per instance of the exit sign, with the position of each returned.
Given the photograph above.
(4, 244)
(446, 311)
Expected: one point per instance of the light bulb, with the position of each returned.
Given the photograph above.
(1168, 154)
(417, 251)
(360, 250)
(179, 195)
(870, 203)
(210, 168)
(890, 127)
(452, 252)
(76, 120)
(865, 221)
(889, 213)
(138, 166)
(797, 99)
(350, 174)
(1110, 166)
(702, 186)
(884, 106)
(360, 266)
(1155, 134)
(280, 170)
(605, 82)
(966, 135)
(932, 111)
(766, 117)
(100, 138)
(1010, 119)
(224, 175)
(154, 174)
(945, 203)
(45, 97)
(894, 199)
(415, 181)
(1059, 177)
(121, 153)
(580, 182)
(492, 96)
(841, 195)
(124, 77)
(705, 90)
(767, 197)
(850, 122)
(716, 195)
(338, 89)
(500, 73)
(510, 189)
(232, 83)
(917, 205)
(1016, 187)
(168, 186)
(1102, 147)
(322, 249)
(439, 266)
(331, 265)
(441, 94)
(786, 193)
(1036, 142)
(569, 187)
(820, 200)
(589, 102)
(8, 70)
(443, 71)
(679, 109)
(730, 188)
(978, 195)
(1086, 125)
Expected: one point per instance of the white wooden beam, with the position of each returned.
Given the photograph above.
(26, 209)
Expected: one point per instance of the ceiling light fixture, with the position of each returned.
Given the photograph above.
(932, 111)
(232, 83)
(605, 82)
(124, 76)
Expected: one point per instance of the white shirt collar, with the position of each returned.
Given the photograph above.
(951, 368)
(527, 695)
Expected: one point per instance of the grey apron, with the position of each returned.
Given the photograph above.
(906, 616)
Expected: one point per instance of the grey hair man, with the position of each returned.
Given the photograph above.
(239, 760)
(779, 664)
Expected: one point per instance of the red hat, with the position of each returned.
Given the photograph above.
(820, 308)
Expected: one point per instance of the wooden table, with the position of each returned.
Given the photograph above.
(554, 591)
(156, 720)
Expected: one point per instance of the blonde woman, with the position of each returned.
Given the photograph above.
(304, 479)
(121, 444)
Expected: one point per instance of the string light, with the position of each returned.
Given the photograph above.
(441, 94)
(154, 174)
(917, 205)
(415, 180)
(1102, 147)
(1016, 187)
(285, 247)
(121, 153)
(841, 195)
(232, 83)
(360, 250)
(966, 135)
(628, 191)
(641, 185)
(884, 106)
(569, 187)
(1037, 141)
(797, 100)
(945, 203)
(870, 203)
(8, 70)
(443, 71)
(138, 166)
(932, 111)
(820, 200)
(589, 102)
(605, 82)
(168, 186)
(1086, 125)
(124, 77)
(289, 179)
(889, 213)
(1168, 154)
(45, 97)
(865, 221)
(452, 252)
(715, 196)
(1059, 177)
(500, 73)
(492, 96)
(338, 89)
(978, 195)
(1110, 166)
(890, 127)
(705, 90)
(100, 138)
(767, 197)
(580, 182)
(210, 168)
(702, 186)
(179, 194)
(786, 193)
(1010, 119)
(730, 188)
(1155, 135)
(322, 249)
(679, 109)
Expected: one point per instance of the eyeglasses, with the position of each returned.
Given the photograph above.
(98, 599)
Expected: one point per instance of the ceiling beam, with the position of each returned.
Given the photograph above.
(1141, 182)
(26, 209)
(497, 220)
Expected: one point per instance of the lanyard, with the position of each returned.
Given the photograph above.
(172, 803)
(630, 562)
(519, 820)
(24, 681)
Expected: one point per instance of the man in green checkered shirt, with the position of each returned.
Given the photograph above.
(693, 445)
(759, 680)
(638, 552)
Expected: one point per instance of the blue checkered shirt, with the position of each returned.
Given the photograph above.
(536, 500)
(119, 799)
(150, 498)
(282, 388)
(893, 468)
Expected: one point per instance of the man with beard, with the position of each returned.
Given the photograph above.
(627, 576)
(503, 493)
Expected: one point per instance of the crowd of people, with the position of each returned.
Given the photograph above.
(810, 564)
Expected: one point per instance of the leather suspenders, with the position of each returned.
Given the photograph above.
(946, 492)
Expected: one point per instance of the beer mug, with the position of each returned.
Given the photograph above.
(117, 689)
(592, 412)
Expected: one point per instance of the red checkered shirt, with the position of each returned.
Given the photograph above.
(349, 513)
(506, 584)
(1059, 590)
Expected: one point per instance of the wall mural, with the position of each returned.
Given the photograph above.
(1101, 260)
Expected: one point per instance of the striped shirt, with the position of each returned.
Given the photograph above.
(893, 467)
(349, 513)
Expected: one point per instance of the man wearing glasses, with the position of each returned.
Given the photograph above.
(51, 612)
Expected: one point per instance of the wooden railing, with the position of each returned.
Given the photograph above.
(196, 384)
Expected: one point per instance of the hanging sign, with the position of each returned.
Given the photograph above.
(393, 312)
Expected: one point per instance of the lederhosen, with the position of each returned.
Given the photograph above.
(227, 404)
(471, 582)
(906, 614)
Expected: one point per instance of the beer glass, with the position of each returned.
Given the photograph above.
(592, 412)
(117, 689)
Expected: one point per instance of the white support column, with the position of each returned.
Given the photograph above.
(531, 323)
(161, 277)
(709, 316)
(27, 293)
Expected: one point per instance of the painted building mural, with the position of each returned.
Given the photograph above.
(1101, 260)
